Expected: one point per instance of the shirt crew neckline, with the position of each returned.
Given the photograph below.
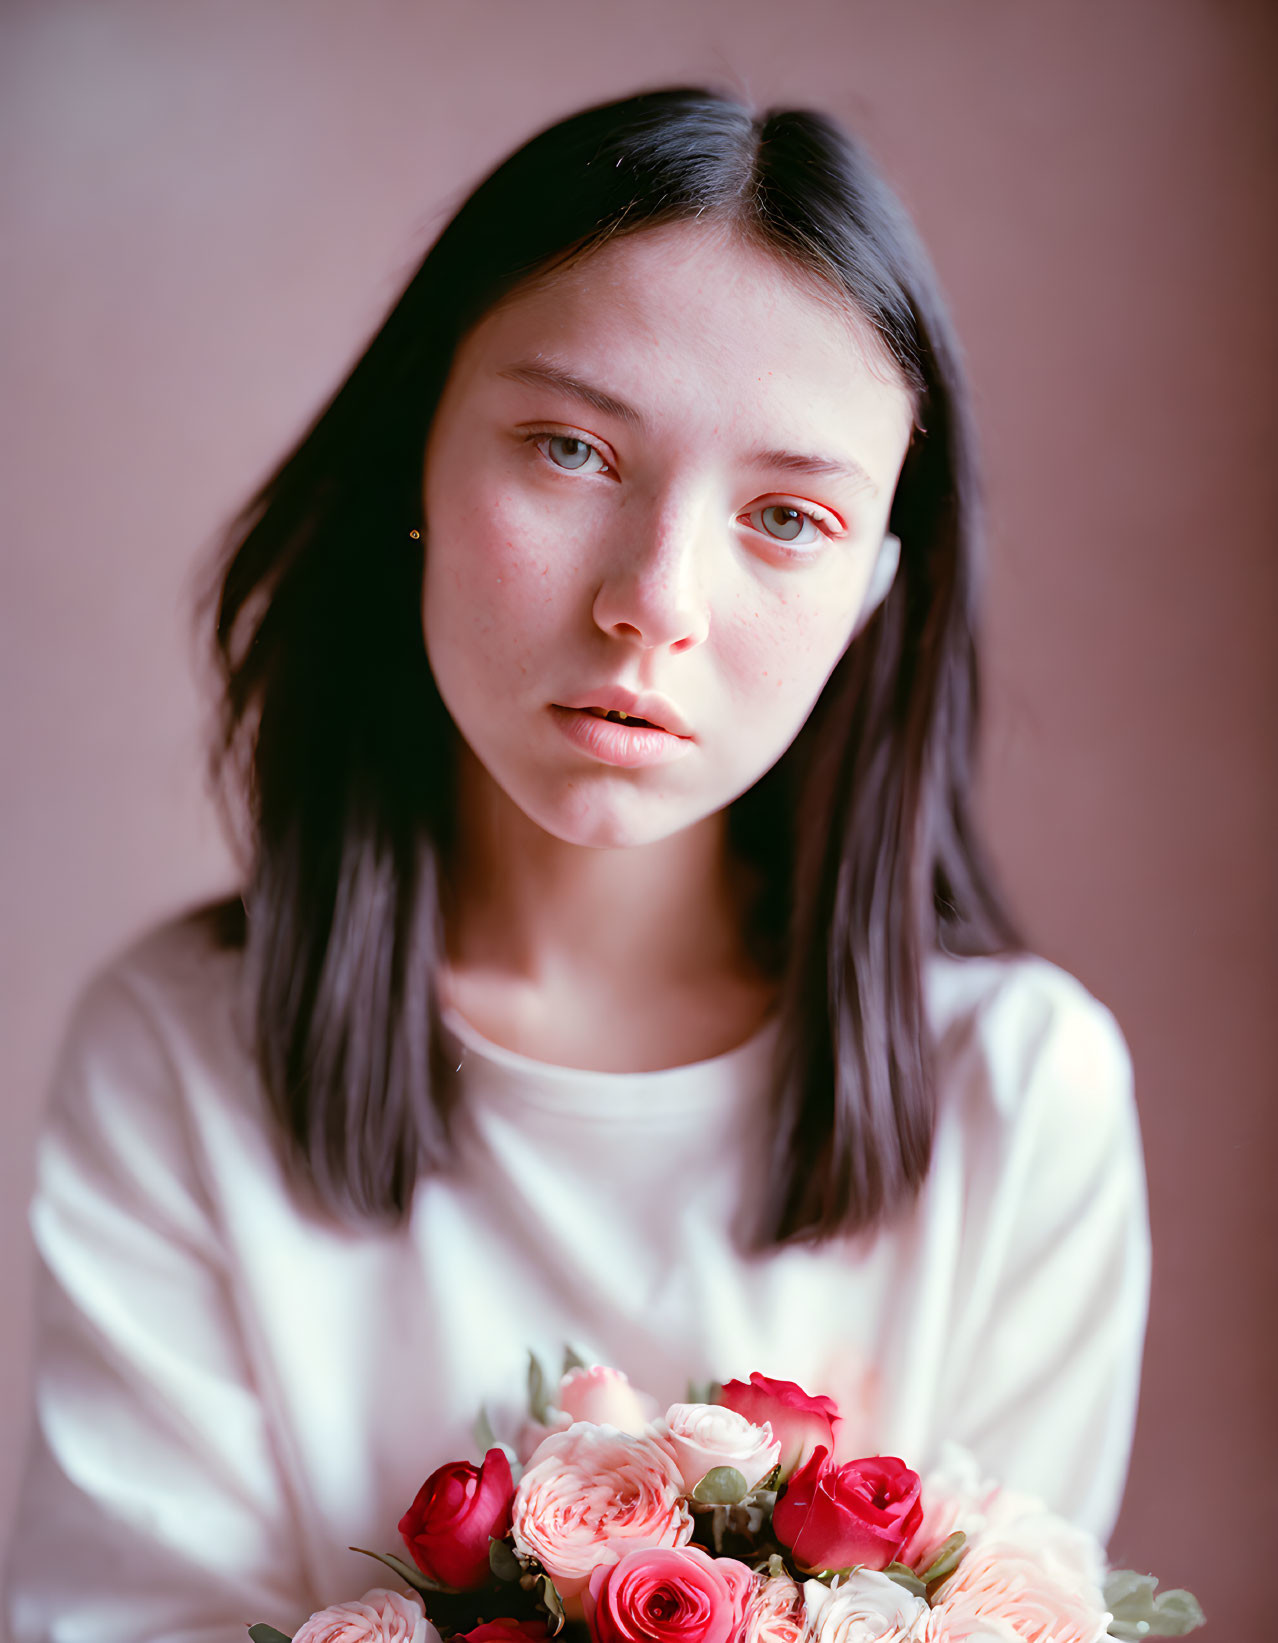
(510, 1077)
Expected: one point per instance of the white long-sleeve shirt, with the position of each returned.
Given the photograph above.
(232, 1389)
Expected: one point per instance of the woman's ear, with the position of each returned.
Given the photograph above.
(881, 579)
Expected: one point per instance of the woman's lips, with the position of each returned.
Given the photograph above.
(628, 745)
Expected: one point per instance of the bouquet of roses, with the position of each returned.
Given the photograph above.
(726, 1519)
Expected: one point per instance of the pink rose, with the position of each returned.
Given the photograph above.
(504, 1631)
(668, 1595)
(606, 1397)
(800, 1423)
(379, 1616)
(775, 1613)
(1003, 1585)
(867, 1607)
(533, 1433)
(943, 1628)
(702, 1436)
(957, 1495)
(457, 1508)
(834, 1517)
(589, 1496)
(598, 1394)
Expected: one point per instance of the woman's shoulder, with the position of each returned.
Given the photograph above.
(166, 999)
(1020, 1039)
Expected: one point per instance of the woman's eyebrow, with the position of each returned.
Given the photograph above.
(824, 467)
(544, 374)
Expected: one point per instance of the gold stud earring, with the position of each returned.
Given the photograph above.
(416, 535)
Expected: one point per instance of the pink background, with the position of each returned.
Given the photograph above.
(206, 208)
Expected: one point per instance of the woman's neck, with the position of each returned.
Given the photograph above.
(617, 959)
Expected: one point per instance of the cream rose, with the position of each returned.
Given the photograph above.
(1038, 1602)
(702, 1436)
(380, 1616)
(776, 1613)
(867, 1607)
(591, 1494)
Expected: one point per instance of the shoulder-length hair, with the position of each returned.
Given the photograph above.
(861, 833)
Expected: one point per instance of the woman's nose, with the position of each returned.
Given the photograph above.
(654, 590)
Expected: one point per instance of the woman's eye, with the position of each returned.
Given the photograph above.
(786, 524)
(570, 453)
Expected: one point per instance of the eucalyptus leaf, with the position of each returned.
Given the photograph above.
(502, 1560)
(1176, 1612)
(406, 1572)
(721, 1486)
(1139, 1613)
(946, 1560)
(268, 1634)
(907, 1578)
(538, 1401)
(1125, 1586)
(554, 1606)
(482, 1432)
(573, 1360)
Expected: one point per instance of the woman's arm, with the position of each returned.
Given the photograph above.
(1045, 1363)
(154, 1504)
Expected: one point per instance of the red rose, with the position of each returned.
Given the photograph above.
(799, 1422)
(668, 1594)
(503, 1631)
(833, 1517)
(457, 1508)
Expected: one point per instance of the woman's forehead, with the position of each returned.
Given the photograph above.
(689, 300)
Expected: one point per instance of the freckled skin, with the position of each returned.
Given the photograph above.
(543, 581)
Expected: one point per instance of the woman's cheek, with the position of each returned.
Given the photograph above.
(779, 653)
(531, 547)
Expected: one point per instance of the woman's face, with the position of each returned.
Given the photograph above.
(660, 482)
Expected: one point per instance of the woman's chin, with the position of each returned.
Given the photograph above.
(596, 820)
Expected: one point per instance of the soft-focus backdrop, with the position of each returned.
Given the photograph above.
(207, 206)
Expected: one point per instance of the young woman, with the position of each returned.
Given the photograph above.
(616, 965)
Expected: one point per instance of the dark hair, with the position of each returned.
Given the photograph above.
(861, 833)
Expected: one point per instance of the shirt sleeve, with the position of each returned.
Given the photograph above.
(1045, 1366)
(154, 1506)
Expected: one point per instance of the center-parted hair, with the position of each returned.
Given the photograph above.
(335, 736)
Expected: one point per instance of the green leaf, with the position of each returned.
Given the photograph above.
(482, 1432)
(502, 1560)
(573, 1360)
(486, 1439)
(538, 1401)
(554, 1606)
(268, 1634)
(1125, 1586)
(1139, 1614)
(406, 1572)
(721, 1486)
(907, 1578)
(946, 1560)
